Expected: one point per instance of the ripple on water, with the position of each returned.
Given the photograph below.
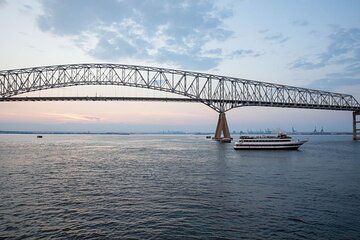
(91, 187)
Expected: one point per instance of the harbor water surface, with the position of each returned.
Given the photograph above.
(176, 187)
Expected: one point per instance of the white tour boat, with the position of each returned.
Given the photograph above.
(281, 141)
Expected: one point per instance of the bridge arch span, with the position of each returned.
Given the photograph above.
(186, 84)
(218, 92)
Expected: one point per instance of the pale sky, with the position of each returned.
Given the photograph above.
(305, 43)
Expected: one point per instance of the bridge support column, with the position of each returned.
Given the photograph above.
(222, 132)
(356, 130)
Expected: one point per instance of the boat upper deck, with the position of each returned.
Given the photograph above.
(264, 138)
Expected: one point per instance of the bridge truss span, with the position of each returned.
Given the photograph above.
(218, 92)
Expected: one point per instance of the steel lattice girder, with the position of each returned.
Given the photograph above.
(218, 92)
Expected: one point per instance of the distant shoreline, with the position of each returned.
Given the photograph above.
(163, 133)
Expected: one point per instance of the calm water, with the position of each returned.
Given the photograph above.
(176, 187)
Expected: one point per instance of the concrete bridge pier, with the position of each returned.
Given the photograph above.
(356, 127)
(222, 132)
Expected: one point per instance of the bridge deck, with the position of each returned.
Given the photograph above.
(188, 100)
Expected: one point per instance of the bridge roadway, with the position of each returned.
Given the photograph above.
(220, 93)
(186, 100)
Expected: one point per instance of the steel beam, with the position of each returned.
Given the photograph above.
(54, 99)
(208, 101)
(221, 93)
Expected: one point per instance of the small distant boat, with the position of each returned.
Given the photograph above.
(208, 137)
(39, 136)
(281, 141)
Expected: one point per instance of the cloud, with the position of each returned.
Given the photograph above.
(73, 117)
(353, 68)
(245, 53)
(303, 63)
(3, 3)
(343, 50)
(349, 76)
(300, 23)
(26, 8)
(187, 61)
(263, 31)
(332, 83)
(276, 38)
(218, 53)
(214, 51)
(159, 30)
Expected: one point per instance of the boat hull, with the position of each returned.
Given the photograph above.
(269, 146)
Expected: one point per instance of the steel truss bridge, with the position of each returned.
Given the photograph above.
(220, 93)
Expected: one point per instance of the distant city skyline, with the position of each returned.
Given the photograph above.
(312, 44)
